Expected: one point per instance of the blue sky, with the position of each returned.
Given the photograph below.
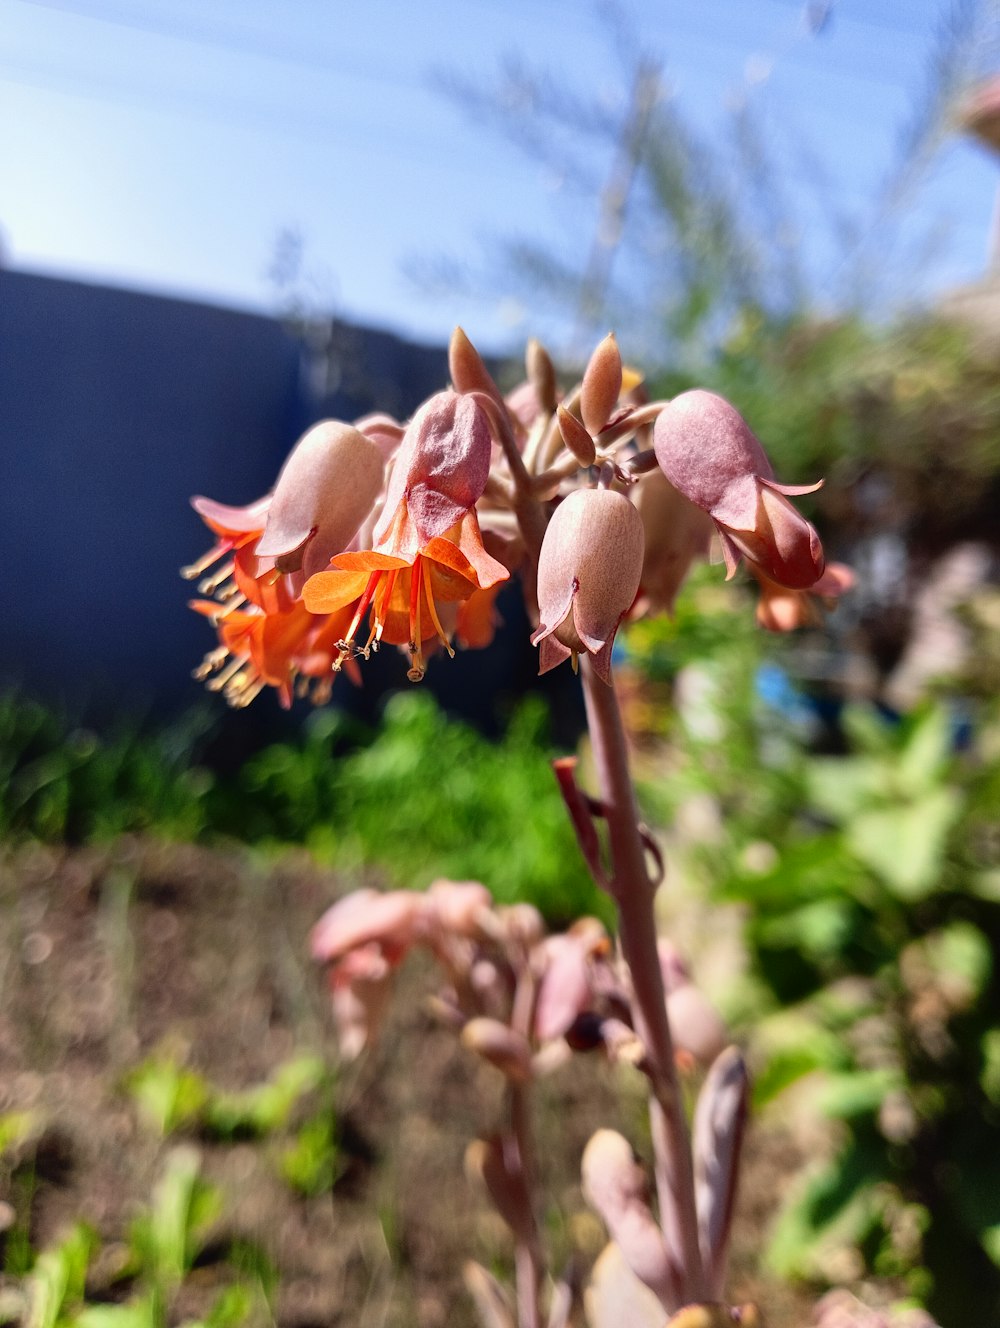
(165, 144)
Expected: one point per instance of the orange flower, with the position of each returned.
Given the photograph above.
(428, 547)
(782, 610)
(258, 649)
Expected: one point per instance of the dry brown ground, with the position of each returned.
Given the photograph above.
(105, 955)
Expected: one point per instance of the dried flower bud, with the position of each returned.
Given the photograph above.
(602, 385)
(499, 1045)
(709, 454)
(327, 486)
(588, 574)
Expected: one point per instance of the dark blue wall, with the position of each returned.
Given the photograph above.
(115, 408)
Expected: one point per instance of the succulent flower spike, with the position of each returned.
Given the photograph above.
(782, 610)
(588, 575)
(428, 546)
(708, 452)
(327, 486)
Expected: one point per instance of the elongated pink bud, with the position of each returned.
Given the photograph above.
(499, 1045)
(615, 1186)
(576, 437)
(541, 375)
(498, 1171)
(720, 1119)
(468, 372)
(709, 454)
(588, 575)
(492, 1305)
(327, 486)
(602, 385)
(615, 1298)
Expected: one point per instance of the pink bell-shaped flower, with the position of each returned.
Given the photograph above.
(709, 454)
(327, 486)
(588, 575)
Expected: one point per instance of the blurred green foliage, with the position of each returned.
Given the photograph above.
(871, 888)
(422, 797)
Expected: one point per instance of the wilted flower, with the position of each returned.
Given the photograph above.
(427, 544)
(708, 452)
(588, 574)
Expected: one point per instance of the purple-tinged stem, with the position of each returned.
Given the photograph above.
(634, 893)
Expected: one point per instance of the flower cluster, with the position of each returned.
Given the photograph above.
(524, 1001)
(378, 532)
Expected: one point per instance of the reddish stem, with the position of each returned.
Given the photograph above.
(634, 894)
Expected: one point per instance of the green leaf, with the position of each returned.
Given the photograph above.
(58, 1278)
(857, 1092)
(927, 752)
(905, 846)
(266, 1107)
(134, 1314)
(840, 787)
(169, 1095)
(167, 1239)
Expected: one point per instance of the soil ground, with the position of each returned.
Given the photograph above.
(108, 955)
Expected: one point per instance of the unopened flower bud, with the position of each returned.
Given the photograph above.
(499, 1045)
(487, 1164)
(576, 437)
(588, 574)
(614, 1184)
(541, 375)
(602, 385)
(468, 372)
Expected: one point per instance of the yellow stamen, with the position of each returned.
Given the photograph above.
(206, 560)
(210, 583)
(231, 607)
(217, 683)
(416, 636)
(210, 663)
(425, 573)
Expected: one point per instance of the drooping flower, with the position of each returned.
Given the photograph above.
(709, 454)
(428, 549)
(327, 486)
(588, 575)
(326, 489)
(257, 649)
(783, 610)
